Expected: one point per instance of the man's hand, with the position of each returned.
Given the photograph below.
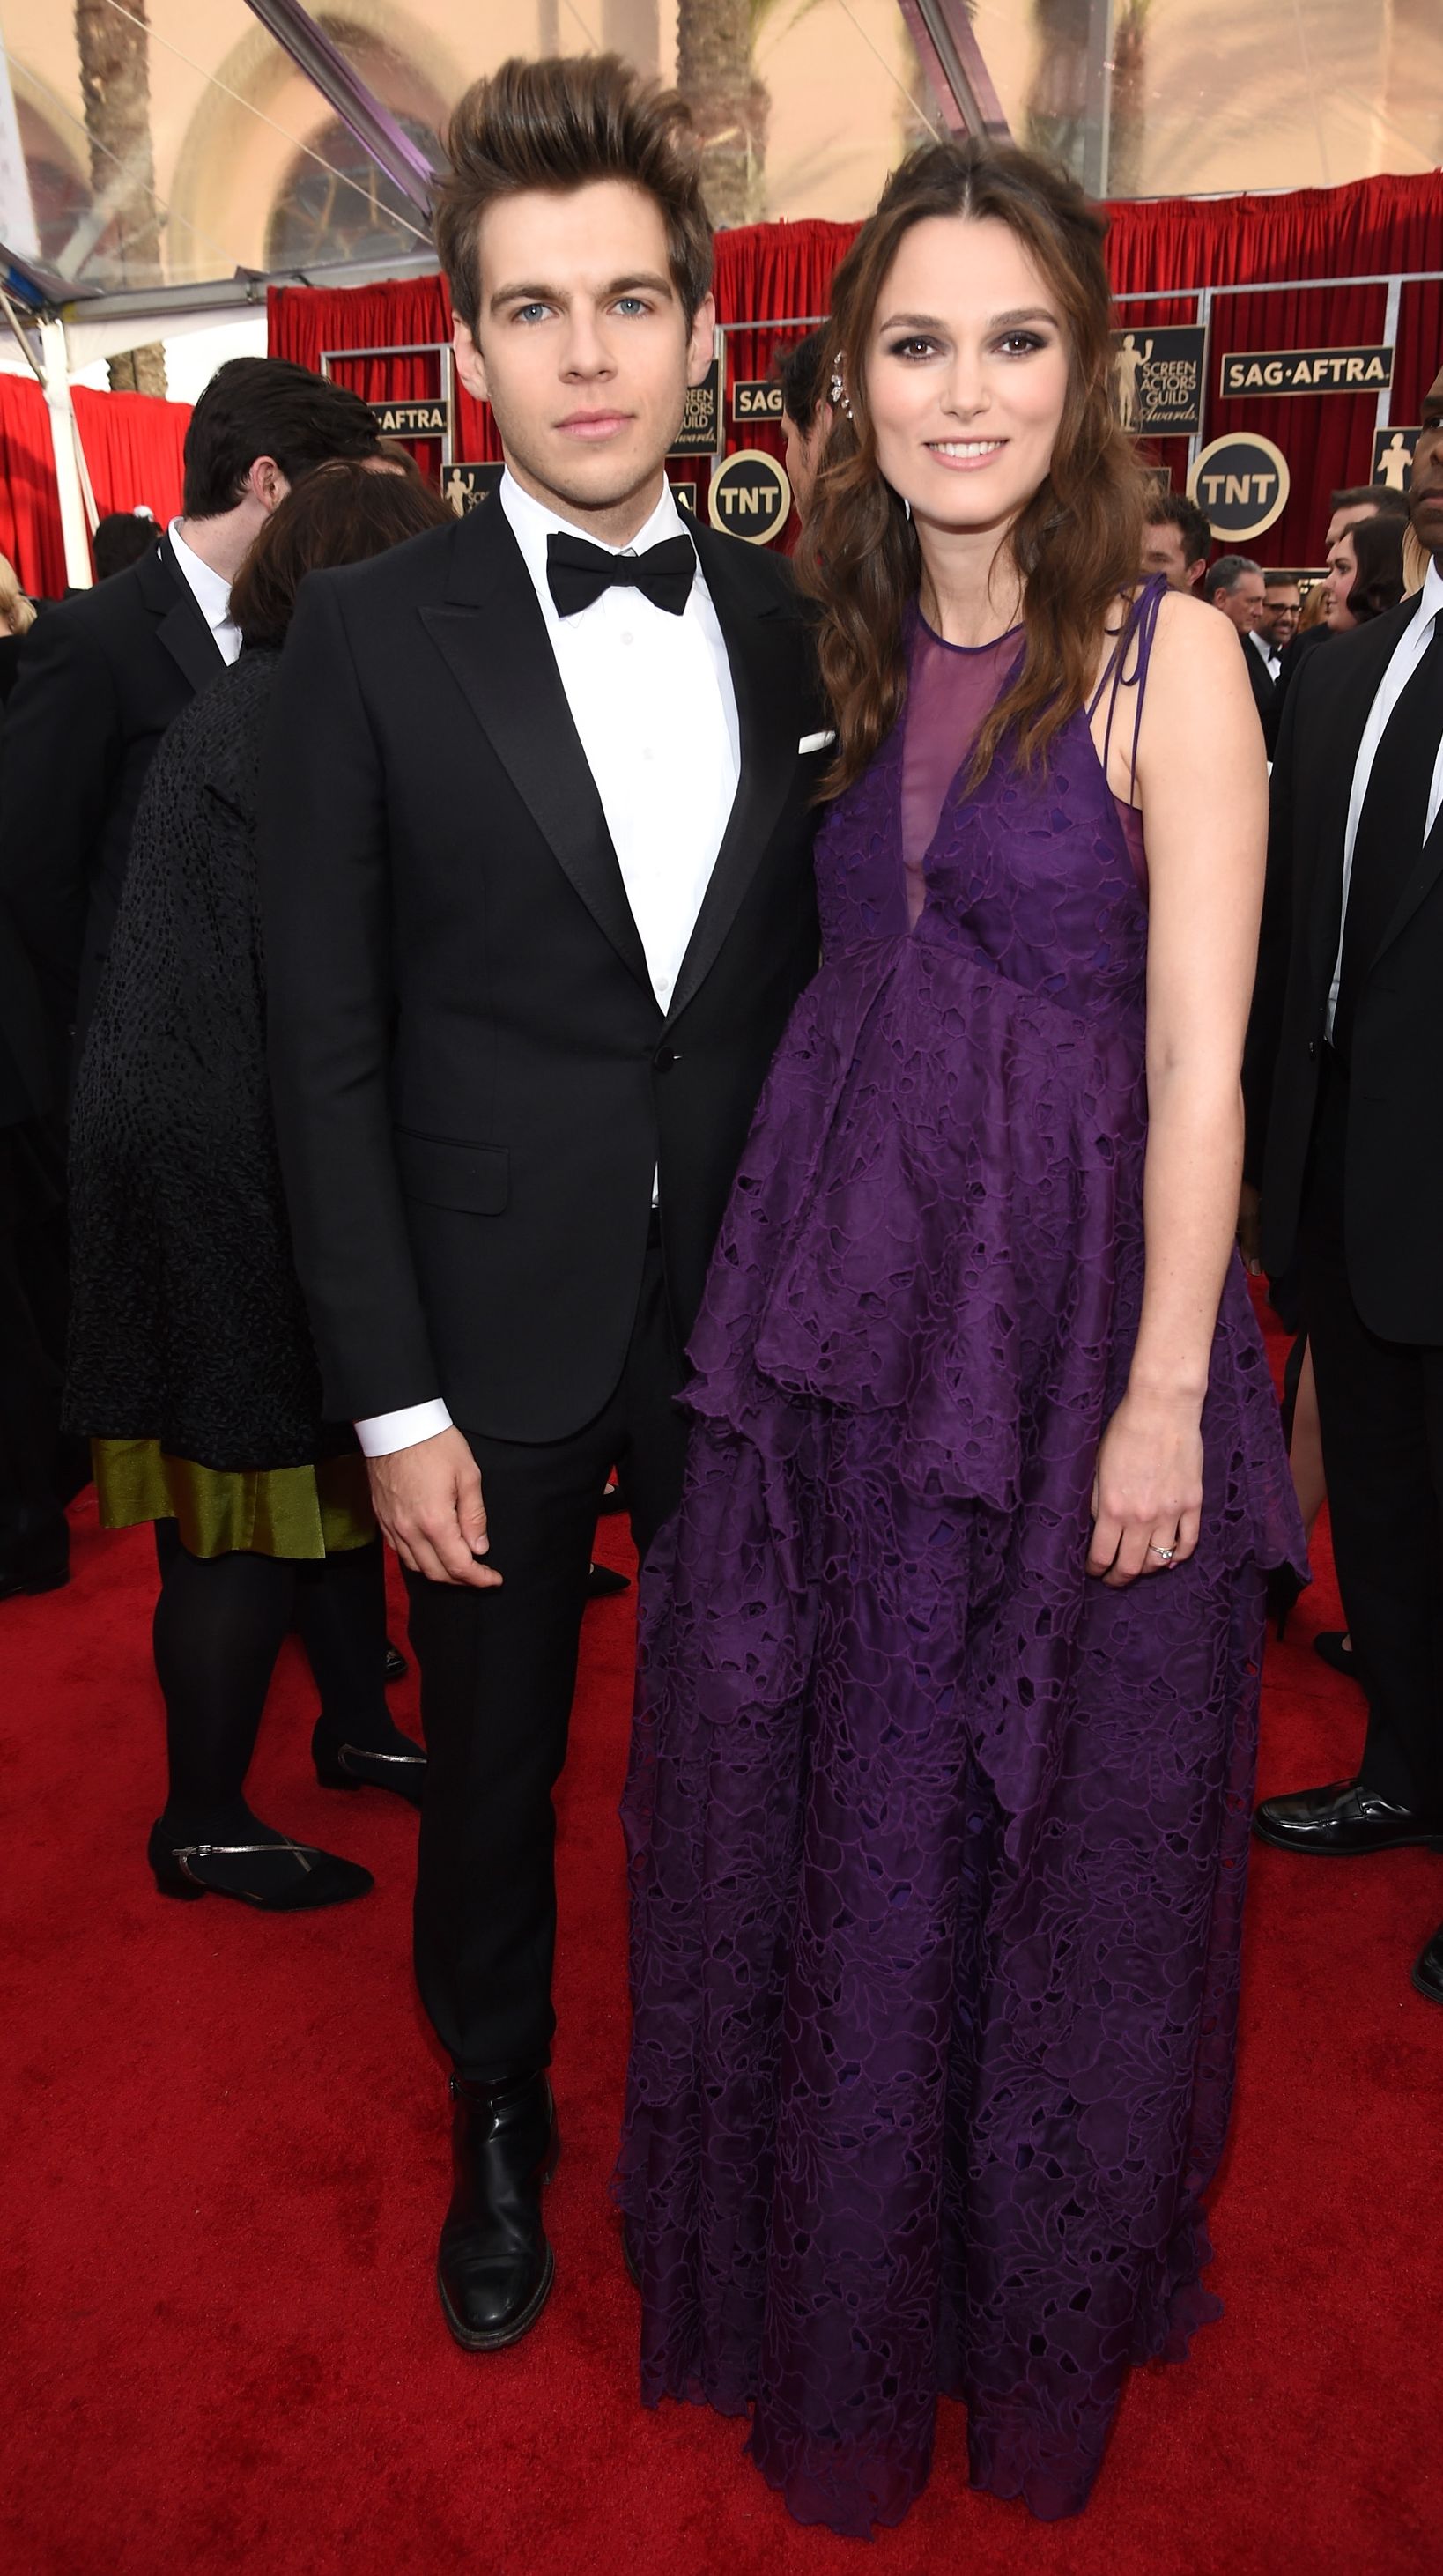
(428, 1502)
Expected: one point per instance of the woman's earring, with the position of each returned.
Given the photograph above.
(907, 506)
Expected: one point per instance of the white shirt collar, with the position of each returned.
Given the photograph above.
(210, 589)
(1430, 597)
(532, 523)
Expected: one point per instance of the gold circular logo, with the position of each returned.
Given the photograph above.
(1241, 484)
(749, 496)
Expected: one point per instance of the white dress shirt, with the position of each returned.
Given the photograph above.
(1406, 658)
(1271, 658)
(652, 700)
(211, 593)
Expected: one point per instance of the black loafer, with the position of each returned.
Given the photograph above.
(1344, 1819)
(339, 1765)
(603, 1581)
(1334, 1649)
(275, 1875)
(396, 1665)
(1428, 1969)
(494, 2269)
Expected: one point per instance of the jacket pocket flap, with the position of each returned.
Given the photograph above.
(441, 1171)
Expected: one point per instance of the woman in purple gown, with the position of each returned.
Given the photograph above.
(940, 1785)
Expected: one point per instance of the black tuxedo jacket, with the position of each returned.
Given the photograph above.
(102, 676)
(1394, 1167)
(474, 1082)
(1264, 688)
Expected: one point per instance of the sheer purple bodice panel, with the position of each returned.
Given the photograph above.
(937, 1846)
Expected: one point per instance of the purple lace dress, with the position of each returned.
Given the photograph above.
(937, 1845)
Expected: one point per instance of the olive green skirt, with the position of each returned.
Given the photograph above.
(271, 1511)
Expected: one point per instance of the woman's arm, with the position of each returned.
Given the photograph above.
(1202, 785)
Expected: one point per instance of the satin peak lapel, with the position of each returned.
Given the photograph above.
(494, 641)
(761, 644)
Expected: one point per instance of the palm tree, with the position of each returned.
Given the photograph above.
(1059, 103)
(115, 84)
(717, 75)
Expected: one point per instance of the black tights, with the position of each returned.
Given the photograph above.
(219, 1625)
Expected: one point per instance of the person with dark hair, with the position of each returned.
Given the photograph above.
(108, 671)
(802, 369)
(1176, 540)
(538, 807)
(1364, 578)
(119, 540)
(191, 1368)
(1282, 608)
(949, 1669)
(1348, 1064)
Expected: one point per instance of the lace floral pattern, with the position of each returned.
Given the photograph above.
(937, 1848)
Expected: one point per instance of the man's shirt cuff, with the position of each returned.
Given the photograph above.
(385, 1432)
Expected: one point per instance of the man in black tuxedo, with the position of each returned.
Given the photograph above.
(1351, 975)
(537, 815)
(1235, 585)
(105, 673)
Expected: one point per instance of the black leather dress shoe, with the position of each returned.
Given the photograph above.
(495, 2268)
(1428, 1969)
(396, 1665)
(603, 1581)
(1345, 1819)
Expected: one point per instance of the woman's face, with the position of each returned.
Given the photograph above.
(967, 371)
(1337, 582)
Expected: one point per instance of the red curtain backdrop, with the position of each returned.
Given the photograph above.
(133, 447)
(777, 272)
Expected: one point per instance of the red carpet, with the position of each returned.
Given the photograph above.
(226, 2163)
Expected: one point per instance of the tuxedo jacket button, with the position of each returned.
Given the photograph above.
(664, 1059)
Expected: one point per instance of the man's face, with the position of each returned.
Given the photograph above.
(1282, 607)
(1344, 519)
(582, 348)
(1244, 605)
(1425, 491)
(1163, 552)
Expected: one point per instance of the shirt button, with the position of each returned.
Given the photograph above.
(625, 636)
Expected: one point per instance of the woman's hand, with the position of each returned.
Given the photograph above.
(1147, 1492)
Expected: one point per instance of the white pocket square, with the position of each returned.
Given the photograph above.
(815, 741)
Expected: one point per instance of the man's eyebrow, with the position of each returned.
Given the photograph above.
(653, 283)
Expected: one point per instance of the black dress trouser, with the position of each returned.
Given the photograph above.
(1380, 1409)
(498, 1669)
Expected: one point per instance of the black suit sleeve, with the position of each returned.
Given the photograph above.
(1275, 939)
(60, 750)
(325, 911)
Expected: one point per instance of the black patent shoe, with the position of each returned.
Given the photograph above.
(494, 2268)
(340, 1765)
(603, 1582)
(396, 1666)
(1428, 1969)
(272, 1873)
(1344, 1819)
(1334, 1646)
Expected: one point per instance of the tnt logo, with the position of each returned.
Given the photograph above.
(1240, 484)
(750, 496)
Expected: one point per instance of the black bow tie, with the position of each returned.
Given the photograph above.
(579, 572)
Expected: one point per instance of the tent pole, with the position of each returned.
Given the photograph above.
(70, 474)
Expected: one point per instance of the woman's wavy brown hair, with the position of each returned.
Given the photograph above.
(1075, 543)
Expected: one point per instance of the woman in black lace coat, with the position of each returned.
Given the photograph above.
(191, 1368)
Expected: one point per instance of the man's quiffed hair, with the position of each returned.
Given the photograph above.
(267, 407)
(563, 124)
(1175, 510)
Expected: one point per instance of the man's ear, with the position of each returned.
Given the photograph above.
(266, 484)
(701, 344)
(470, 365)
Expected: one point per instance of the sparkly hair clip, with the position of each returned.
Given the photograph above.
(837, 391)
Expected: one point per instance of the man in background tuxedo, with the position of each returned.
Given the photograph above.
(536, 825)
(105, 673)
(1235, 585)
(1353, 1172)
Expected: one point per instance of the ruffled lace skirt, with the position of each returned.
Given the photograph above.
(937, 1847)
